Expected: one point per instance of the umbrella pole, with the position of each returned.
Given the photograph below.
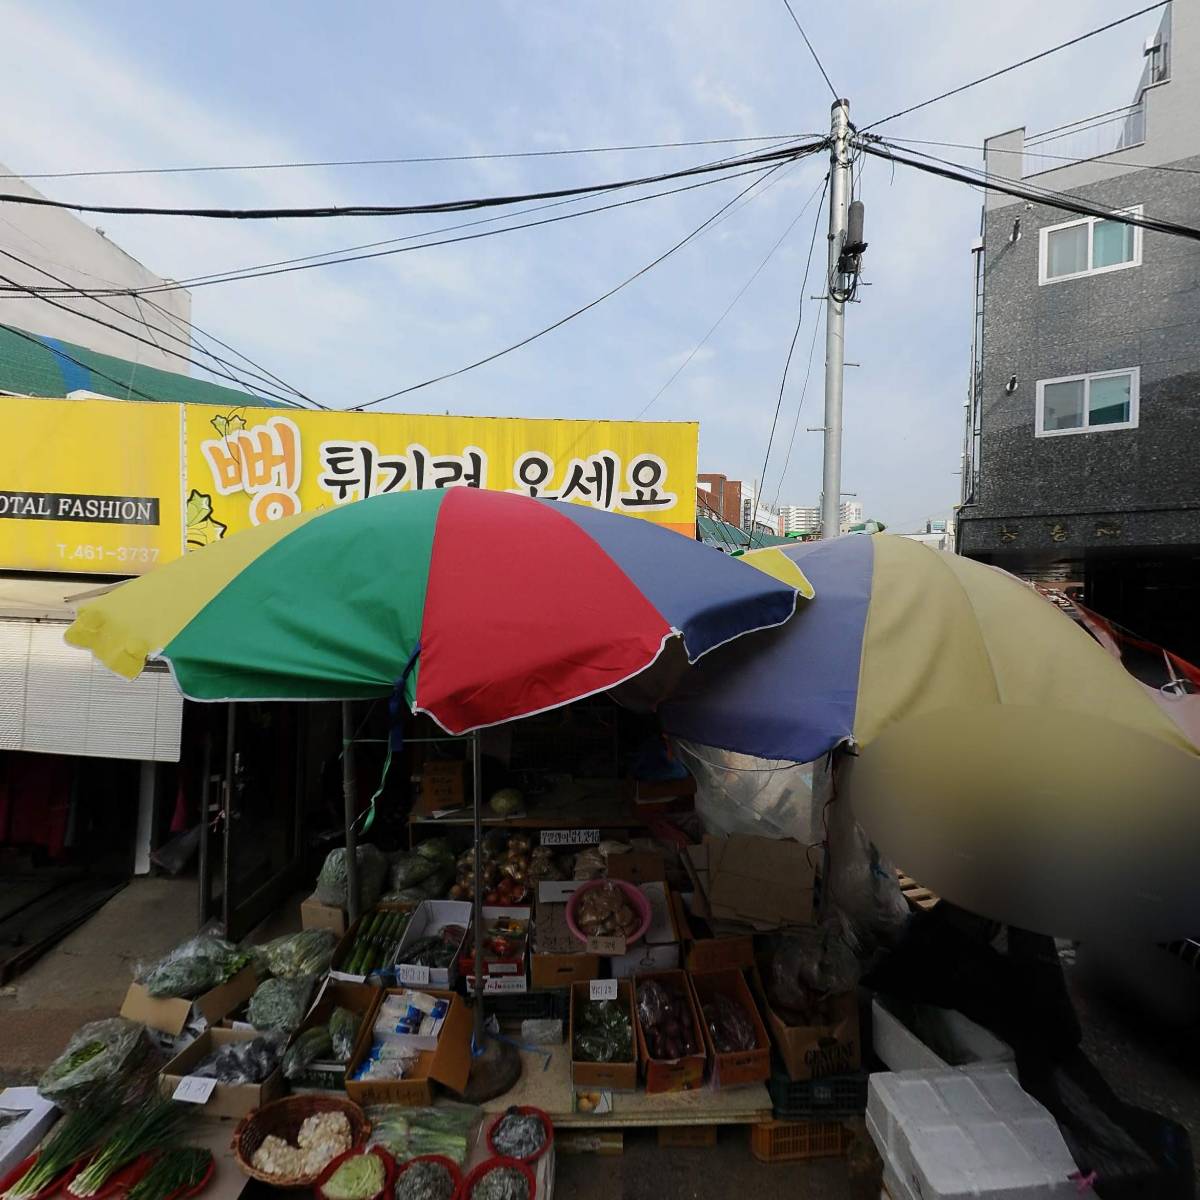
(350, 798)
(477, 914)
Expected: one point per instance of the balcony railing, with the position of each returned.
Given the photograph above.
(1092, 137)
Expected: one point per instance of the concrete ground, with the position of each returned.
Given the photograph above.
(86, 976)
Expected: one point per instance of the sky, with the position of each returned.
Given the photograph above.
(139, 83)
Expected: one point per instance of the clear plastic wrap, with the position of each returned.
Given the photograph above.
(518, 1135)
(809, 964)
(113, 1056)
(332, 886)
(279, 1004)
(411, 1132)
(603, 1032)
(410, 869)
(298, 955)
(343, 1033)
(729, 1025)
(246, 1062)
(194, 967)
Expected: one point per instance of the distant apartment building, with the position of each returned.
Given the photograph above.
(1083, 428)
(793, 518)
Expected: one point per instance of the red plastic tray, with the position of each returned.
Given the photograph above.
(441, 1160)
(118, 1184)
(490, 1164)
(530, 1111)
(20, 1170)
(389, 1172)
(198, 1186)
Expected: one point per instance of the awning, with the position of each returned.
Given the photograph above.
(729, 537)
(58, 700)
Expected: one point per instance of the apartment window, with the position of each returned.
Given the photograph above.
(1089, 247)
(1085, 403)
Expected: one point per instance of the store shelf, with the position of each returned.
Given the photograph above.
(579, 807)
(549, 1088)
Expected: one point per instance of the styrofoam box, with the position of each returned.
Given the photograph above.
(20, 1138)
(949, 1135)
(902, 1050)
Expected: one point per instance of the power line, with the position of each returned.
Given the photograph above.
(762, 487)
(729, 307)
(227, 373)
(1023, 63)
(816, 59)
(787, 461)
(307, 262)
(1023, 191)
(576, 312)
(387, 162)
(389, 210)
(1141, 166)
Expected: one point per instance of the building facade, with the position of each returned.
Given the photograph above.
(720, 498)
(793, 518)
(1080, 456)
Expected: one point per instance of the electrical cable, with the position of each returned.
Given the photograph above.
(571, 315)
(388, 210)
(787, 461)
(1063, 158)
(37, 341)
(1023, 191)
(728, 308)
(385, 162)
(1023, 63)
(791, 349)
(145, 341)
(820, 66)
(307, 262)
(229, 368)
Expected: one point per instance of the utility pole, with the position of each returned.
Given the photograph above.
(835, 318)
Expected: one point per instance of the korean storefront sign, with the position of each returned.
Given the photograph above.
(162, 478)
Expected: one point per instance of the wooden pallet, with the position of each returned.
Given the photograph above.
(916, 895)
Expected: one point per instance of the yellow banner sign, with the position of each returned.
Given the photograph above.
(110, 487)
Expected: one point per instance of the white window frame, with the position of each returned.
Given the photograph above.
(1044, 233)
(1135, 387)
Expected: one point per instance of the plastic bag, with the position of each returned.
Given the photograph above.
(343, 1033)
(332, 886)
(410, 1132)
(279, 1004)
(518, 1135)
(728, 1025)
(408, 870)
(809, 965)
(311, 1046)
(603, 1032)
(653, 1003)
(590, 864)
(437, 850)
(245, 1062)
(113, 1055)
(192, 968)
(299, 955)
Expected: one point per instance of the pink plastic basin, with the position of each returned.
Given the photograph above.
(634, 895)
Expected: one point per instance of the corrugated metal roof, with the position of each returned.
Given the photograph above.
(34, 365)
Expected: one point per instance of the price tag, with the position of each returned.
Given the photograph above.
(556, 891)
(502, 968)
(194, 1090)
(602, 989)
(243, 1026)
(606, 945)
(502, 983)
(569, 837)
(411, 973)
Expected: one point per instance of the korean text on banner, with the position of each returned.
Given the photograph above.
(89, 486)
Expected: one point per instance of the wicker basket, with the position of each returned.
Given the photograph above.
(283, 1118)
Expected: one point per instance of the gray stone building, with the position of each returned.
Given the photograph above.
(1081, 460)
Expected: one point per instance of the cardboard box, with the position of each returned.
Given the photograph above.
(342, 951)
(442, 787)
(20, 1138)
(226, 1100)
(172, 1017)
(430, 917)
(360, 999)
(448, 1064)
(767, 882)
(741, 1066)
(659, 949)
(815, 1051)
(610, 1076)
(315, 915)
(558, 958)
(637, 866)
(680, 1074)
(494, 964)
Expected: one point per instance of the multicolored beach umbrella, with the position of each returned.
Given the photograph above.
(481, 606)
(996, 751)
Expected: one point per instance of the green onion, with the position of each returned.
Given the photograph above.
(172, 1171)
(151, 1127)
(78, 1133)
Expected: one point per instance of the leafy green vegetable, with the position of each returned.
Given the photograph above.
(279, 1004)
(172, 1171)
(359, 1177)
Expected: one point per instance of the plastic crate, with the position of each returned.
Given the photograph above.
(833, 1098)
(687, 1137)
(789, 1141)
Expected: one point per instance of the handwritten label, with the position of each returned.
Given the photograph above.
(556, 891)
(569, 837)
(503, 983)
(411, 973)
(503, 968)
(194, 1090)
(602, 989)
(606, 945)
